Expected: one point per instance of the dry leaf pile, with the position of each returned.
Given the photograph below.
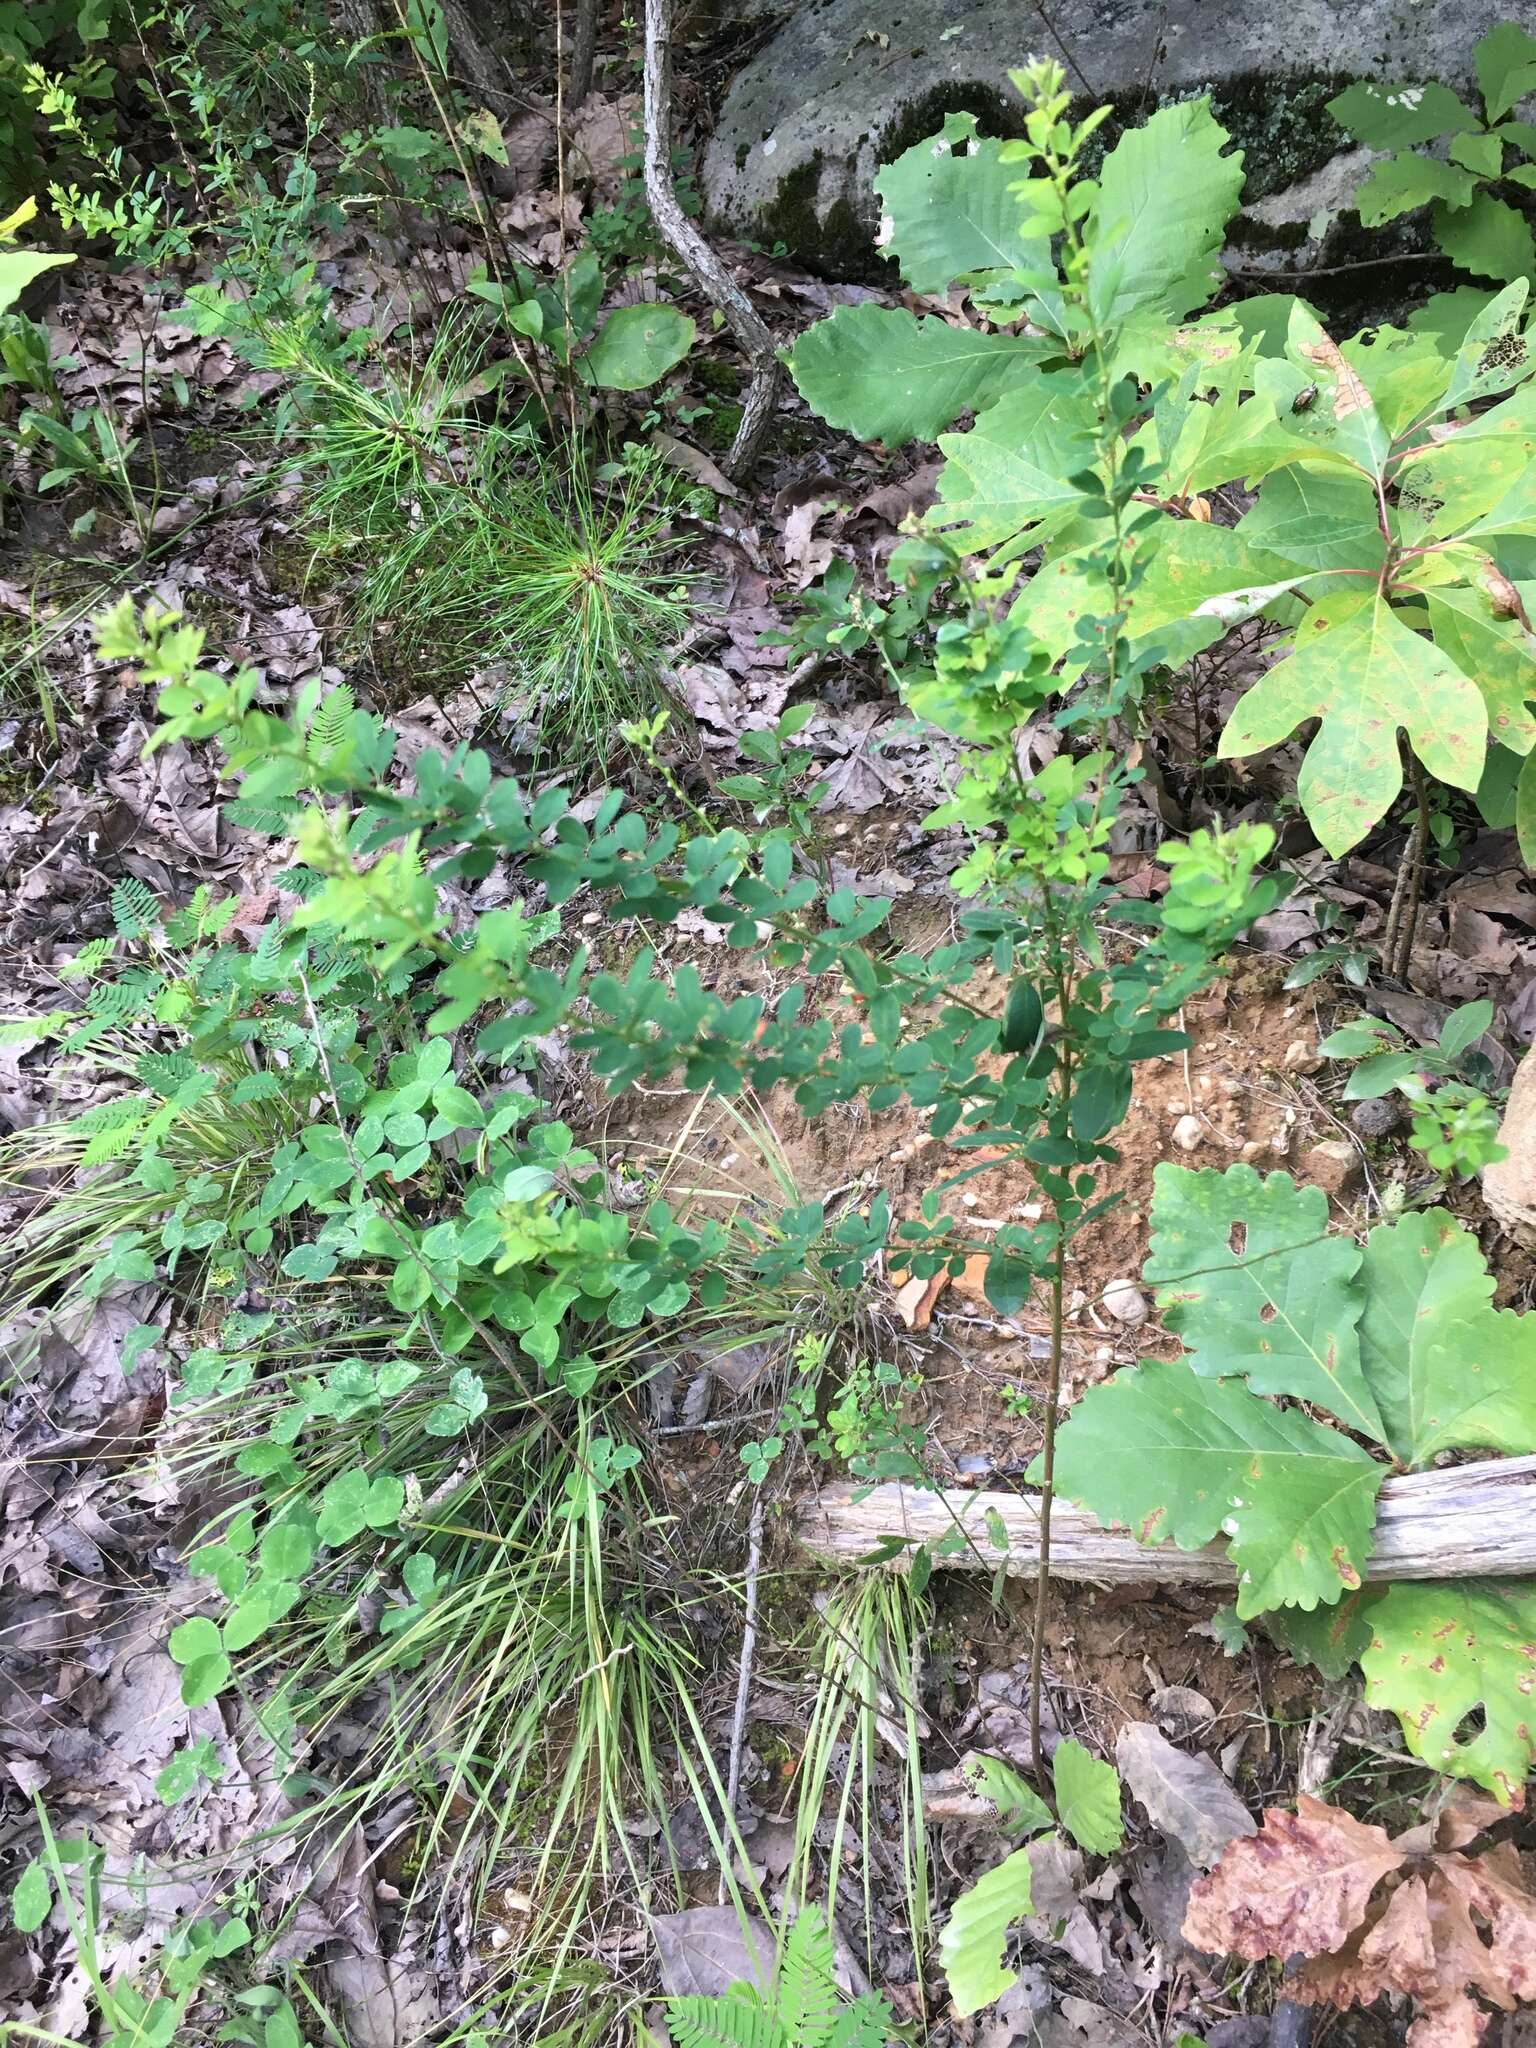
(1411, 1915)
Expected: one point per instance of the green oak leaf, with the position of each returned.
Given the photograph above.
(973, 1937)
(1331, 1639)
(1489, 238)
(1007, 478)
(1505, 60)
(1399, 183)
(1087, 1798)
(1249, 1277)
(1396, 116)
(1364, 674)
(948, 214)
(1441, 1653)
(1166, 193)
(1181, 1459)
(1449, 1371)
(886, 375)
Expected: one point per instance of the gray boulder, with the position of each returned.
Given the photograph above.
(842, 87)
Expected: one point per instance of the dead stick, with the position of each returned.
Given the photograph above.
(1465, 1521)
(744, 1668)
(691, 249)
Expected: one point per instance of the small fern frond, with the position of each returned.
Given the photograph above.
(90, 959)
(164, 1071)
(736, 2020)
(31, 1030)
(262, 1087)
(809, 1999)
(110, 1116)
(135, 910)
(328, 727)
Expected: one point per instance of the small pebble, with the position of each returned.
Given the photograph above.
(1333, 1165)
(975, 1465)
(1253, 1149)
(1103, 1353)
(1188, 1132)
(1300, 1057)
(1377, 1117)
(1126, 1302)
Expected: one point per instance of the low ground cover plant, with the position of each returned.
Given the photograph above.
(417, 1325)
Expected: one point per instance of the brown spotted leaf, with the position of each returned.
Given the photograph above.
(1457, 1663)
(1300, 1886)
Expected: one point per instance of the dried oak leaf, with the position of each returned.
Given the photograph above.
(1300, 1886)
(1494, 1887)
(1456, 2024)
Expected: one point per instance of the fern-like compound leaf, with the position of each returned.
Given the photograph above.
(135, 910)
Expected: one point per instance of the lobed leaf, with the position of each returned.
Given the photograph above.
(1180, 1459)
(1250, 1277)
(887, 375)
(1457, 1663)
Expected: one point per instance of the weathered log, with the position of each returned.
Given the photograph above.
(1465, 1521)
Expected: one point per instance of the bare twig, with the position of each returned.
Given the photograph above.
(694, 252)
(583, 53)
(744, 1668)
(1403, 912)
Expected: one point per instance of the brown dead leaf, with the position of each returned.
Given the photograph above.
(1300, 1886)
(1400, 1948)
(1456, 2024)
(1494, 1887)
(693, 462)
(1467, 1814)
(914, 1297)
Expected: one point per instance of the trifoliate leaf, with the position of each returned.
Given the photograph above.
(1449, 1371)
(971, 1945)
(1249, 1276)
(886, 375)
(1087, 1798)
(1440, 1654)
(1365, 675)
(949, 215)
(1180, 1459)
(1166, 193)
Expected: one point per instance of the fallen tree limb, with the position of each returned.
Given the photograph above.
(694, 253)
(1466, 1521)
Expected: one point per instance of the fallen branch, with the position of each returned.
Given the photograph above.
(1466, 1521)
(691, 249)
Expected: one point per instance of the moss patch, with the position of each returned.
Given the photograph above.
(834, 244)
